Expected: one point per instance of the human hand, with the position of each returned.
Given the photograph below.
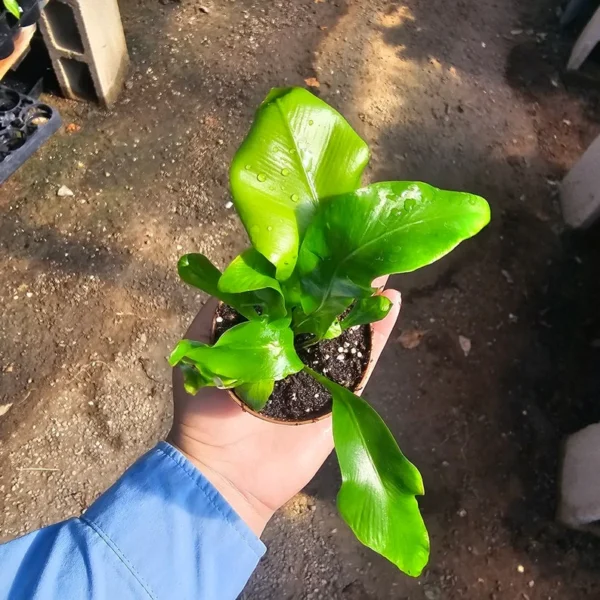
(256, 465)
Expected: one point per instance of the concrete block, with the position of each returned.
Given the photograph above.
(86, 43)
(580, 189)
(586, 42)
(580, 481)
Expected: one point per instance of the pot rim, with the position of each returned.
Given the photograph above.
(357, 390)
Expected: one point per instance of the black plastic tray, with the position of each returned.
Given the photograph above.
(25, 124)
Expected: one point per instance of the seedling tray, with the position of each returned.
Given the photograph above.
(25, 124)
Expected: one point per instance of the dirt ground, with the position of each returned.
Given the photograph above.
(467, 95)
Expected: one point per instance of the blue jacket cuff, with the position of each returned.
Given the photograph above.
(174, 531)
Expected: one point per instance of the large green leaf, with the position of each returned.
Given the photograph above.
(367, 310)
(196, 270)
(298, 151)
(252, 272)
(379, 484)
(256, 395)
(247, 353)
(385, 228)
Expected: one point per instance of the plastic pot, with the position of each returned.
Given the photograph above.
(359, 388)
(7, 33)
(31, 12)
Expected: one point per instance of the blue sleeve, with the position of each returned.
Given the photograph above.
(162, 531)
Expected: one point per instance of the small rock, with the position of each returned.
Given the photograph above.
(462, 513)
(204, 9)
(507, 276)
(465, 344)
(64, 191)
(432, 592)
(411, 338)
(521, 569)
(229, 204)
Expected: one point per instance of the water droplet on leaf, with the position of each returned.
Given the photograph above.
(472, 200)
(261, 177)
(285, 172)
(294, 197)
(311, 122)
(269, 228)
(248, 167)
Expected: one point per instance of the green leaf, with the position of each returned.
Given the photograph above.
(192, 379)
(298, 151)
(385, 228)
(247, 353)
(197, 271)
(320, 323)
(251, 272)
(367, 310)
(182, 349)
(256, 395)
(12, 6)
(379, 484)
(335, 330)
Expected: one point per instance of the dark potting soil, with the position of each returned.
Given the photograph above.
(299, 397)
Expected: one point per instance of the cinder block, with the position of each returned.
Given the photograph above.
(580, 189)
(580, 481)
(86, 43)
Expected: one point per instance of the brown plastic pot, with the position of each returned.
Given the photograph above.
(359, 388)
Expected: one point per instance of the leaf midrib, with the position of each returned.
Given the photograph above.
(364, 443)
(313, 191)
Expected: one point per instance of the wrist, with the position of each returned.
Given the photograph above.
(251, 510)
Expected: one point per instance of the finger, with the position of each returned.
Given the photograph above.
(381, 331)
(201, 328)
(380, 282)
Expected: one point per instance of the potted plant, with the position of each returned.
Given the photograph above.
(291, 336)
(15, 15)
